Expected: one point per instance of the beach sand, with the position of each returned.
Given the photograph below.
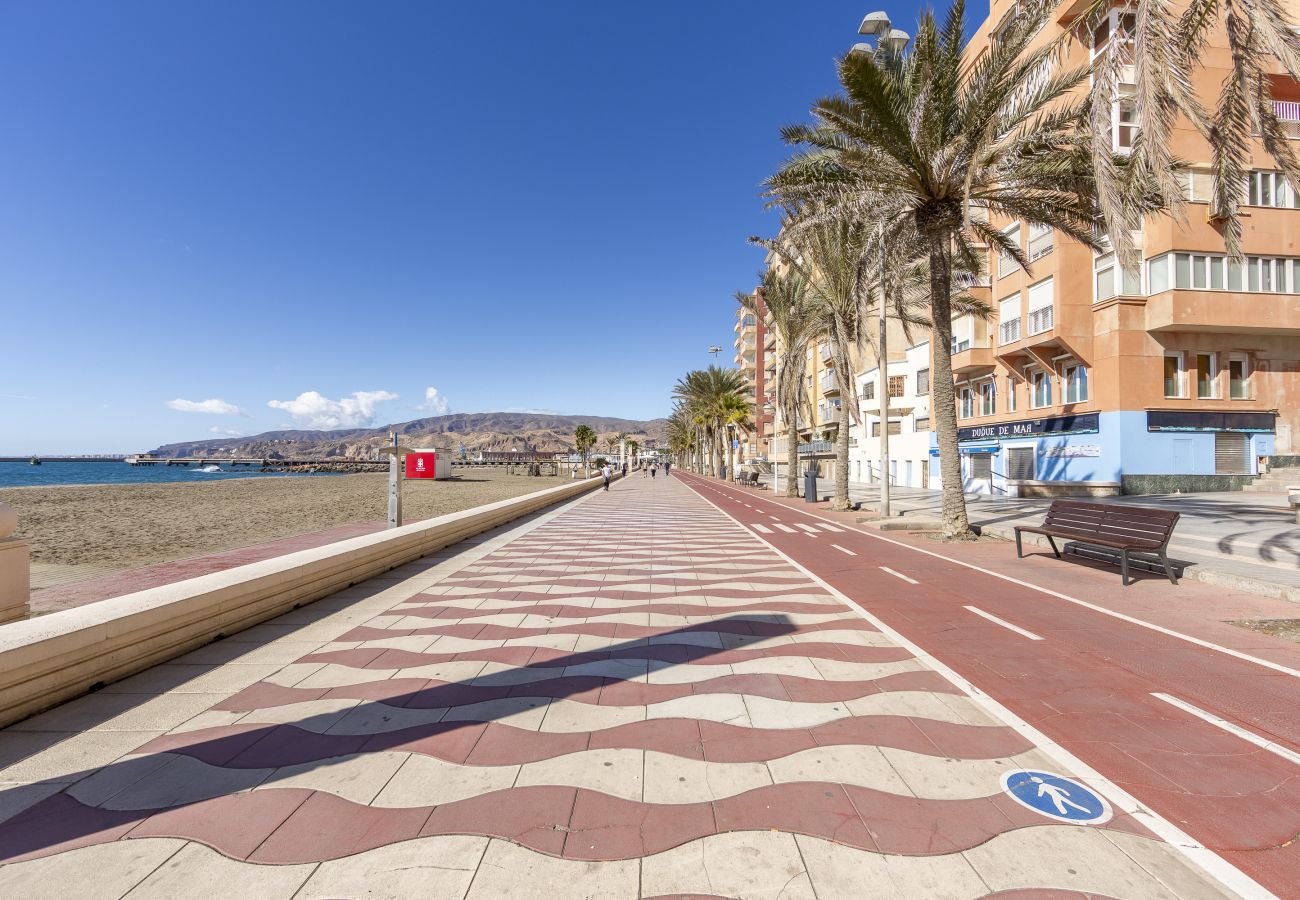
(122, 526)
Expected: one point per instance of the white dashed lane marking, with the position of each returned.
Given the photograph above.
(899, 575)
(785, 528)
(1004, 623)
(762, 529)
(842, 550)
(1219, 722)
(807, 528)
(826, 527)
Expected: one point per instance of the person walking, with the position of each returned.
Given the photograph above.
(668, 470)
(607, 473)
(654, 469)
(624, 470)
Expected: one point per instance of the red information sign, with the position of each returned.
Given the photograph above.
(421, 465)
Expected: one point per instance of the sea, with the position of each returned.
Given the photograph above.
(23, 474)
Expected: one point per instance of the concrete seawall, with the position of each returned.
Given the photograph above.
(53, 658)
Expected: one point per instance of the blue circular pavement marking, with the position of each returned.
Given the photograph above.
(1056, 796)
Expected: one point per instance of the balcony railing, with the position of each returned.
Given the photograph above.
(1041, 320)
(829, 382)
(1010, 330)
(959, 346)
(830, 415)
(826, 352)
(1289, 112)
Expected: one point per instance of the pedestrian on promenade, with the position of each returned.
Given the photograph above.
(607, 473)
(668, 470)
(624, 470)
(654, 469)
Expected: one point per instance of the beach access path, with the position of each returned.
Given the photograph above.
(637, 694)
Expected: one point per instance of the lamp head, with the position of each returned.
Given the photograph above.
(873, 24)
(896, 40)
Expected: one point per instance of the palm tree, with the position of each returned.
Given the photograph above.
(736, 419)
(584, 438)
(917, 138)
(633, 445)
(784, 297)
(1165, 46)
(704, 395)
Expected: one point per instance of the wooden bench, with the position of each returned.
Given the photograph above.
(749, 479)
(1114, 526)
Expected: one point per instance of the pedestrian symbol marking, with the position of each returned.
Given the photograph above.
(1056, 796)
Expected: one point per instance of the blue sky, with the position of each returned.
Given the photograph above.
(336, 207)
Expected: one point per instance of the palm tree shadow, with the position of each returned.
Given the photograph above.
(88, 802)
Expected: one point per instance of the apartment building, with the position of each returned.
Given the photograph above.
(1180, 373)
(907, 379)
(755, 357)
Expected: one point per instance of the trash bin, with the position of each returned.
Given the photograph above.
(810, 485)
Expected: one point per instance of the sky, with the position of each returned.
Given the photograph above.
(226, 218)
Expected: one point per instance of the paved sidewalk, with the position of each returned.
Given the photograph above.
(1248, 541)
(631, 696)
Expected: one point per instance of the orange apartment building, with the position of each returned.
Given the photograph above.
(756, 358)
(1169, 376)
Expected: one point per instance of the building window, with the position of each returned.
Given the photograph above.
(963, 332)
(808, 380)
(988, 398)
(747, 322)
(921, 423)
(1006, 262)
(1110, 279)
(1009, 320)
(1011, 394)
(1238, 378)
(1040, 241)
(869, 390)
(1041, 299)
(1197, 185)
(1040, 389)
(1076, 383)
(897, 385)
(895, 427)
(967, 403)
(1127, 124)
(1206, 376)
(923, 383)
(1173, 375)
(1206, 272)
(1270, 189)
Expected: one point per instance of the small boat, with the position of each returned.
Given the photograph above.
(209, 469)
(35, 461)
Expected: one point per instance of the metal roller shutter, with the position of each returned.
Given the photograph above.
(1020, 463)
(1231, 453)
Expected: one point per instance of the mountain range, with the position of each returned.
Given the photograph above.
(475, 431)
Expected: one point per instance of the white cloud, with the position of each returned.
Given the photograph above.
(232, 432)
(313, 410)
(213, 407)
(433, 402)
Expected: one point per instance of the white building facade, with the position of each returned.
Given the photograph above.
(908, 383)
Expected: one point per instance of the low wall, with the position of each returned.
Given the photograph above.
(1188, 484)
(50, 659)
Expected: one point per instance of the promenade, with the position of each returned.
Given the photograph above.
(644, 694)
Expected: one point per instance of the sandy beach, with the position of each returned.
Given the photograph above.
(123, 526)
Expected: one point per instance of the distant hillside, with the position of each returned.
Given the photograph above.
(476, 431)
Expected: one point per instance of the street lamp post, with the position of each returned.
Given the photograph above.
(891, 40)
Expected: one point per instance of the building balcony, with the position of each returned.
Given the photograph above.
(830, 415)
(826, 351)
(769, 340)
(1041, 320)
(972, 359)
(1009, 331)
(1223, 312)
(830, 385)
(1288, 111)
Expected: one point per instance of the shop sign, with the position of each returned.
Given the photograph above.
(1073, 450)
(1180, 420)
(1088, 423)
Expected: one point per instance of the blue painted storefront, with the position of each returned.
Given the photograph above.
(1121, 443)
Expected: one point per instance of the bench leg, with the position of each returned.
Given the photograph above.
(1169, 570)
(1123, 567)
(1051, 540)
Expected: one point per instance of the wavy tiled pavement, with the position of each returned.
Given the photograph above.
(630, 697)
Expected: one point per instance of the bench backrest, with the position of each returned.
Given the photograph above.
(1139, 525)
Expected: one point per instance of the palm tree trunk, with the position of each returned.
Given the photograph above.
(943, 397)
(841, 501)
(792, 457)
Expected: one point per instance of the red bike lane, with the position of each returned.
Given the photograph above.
(1130, 701)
